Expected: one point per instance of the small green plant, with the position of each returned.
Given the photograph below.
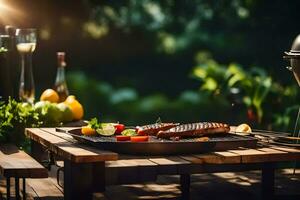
(260, 94)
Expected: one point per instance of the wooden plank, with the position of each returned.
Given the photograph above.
(285, 149)
(130, 171)
(192, 158)
(170, 164)
(276, 155)
(251, 155)
(68, 150)
(65, 136)
(219, 157)
(44, 188)
(14, 162)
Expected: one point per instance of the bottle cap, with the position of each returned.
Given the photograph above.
(61, 59)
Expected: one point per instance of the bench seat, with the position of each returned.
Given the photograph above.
(15, 163)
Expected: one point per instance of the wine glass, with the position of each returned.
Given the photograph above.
(26, 43)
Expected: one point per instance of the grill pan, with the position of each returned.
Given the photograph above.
(164, 146)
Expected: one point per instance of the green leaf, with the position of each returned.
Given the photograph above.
(210, 84)
(94, 124)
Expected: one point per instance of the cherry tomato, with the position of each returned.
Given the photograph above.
(119, 128)
(140, 132)
(139, 138)
(122, 138)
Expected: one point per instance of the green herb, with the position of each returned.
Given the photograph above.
(16, 116)
(94, 124)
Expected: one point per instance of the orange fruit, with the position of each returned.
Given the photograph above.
(50, 95)
(70, 99)
(86, 130)
(75, 107)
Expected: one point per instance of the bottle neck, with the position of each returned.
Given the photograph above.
(60, 76)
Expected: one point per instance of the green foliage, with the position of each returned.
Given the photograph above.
(176, 24)
(259, 92)
(16, 116)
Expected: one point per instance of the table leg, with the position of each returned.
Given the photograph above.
(81, 180)
(8, 188)
(17, 188)
(37, 151)
(185, 182)
(24, 189)
(267, 181)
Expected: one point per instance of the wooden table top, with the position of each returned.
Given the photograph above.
(67, 147)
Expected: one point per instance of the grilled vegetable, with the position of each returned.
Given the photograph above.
(122, 138)
(195, 130)
(139, 138)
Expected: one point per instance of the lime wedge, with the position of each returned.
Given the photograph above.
(106, 130)
(129, 132)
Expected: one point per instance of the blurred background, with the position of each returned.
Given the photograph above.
(181, 60)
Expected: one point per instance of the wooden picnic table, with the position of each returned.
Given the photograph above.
(87, 170)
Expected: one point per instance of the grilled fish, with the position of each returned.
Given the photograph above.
(153, 129)
(195, 130)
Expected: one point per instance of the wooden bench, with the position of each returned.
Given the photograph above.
(15, 163)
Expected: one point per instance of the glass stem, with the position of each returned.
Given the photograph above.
(26, 91)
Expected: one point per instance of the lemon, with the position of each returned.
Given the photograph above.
(75, 106)
(50, 95)
(106, 130)
(86, 130)
(243, 129)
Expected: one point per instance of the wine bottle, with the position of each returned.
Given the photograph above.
(5, 83)
(60, 85)
(13, 63)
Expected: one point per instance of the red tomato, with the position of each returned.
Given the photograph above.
(119, 128)
(140, 132)
(139, 138)
(122, 138)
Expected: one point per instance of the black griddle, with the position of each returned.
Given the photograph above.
(165, 146)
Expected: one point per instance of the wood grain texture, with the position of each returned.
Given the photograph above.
(130, 171)
(170, 164)
(64, 147)
(16, 163)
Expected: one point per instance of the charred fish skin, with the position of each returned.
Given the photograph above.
(153, 129)
(195, 130)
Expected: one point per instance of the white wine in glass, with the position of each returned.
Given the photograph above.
(26, 43)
